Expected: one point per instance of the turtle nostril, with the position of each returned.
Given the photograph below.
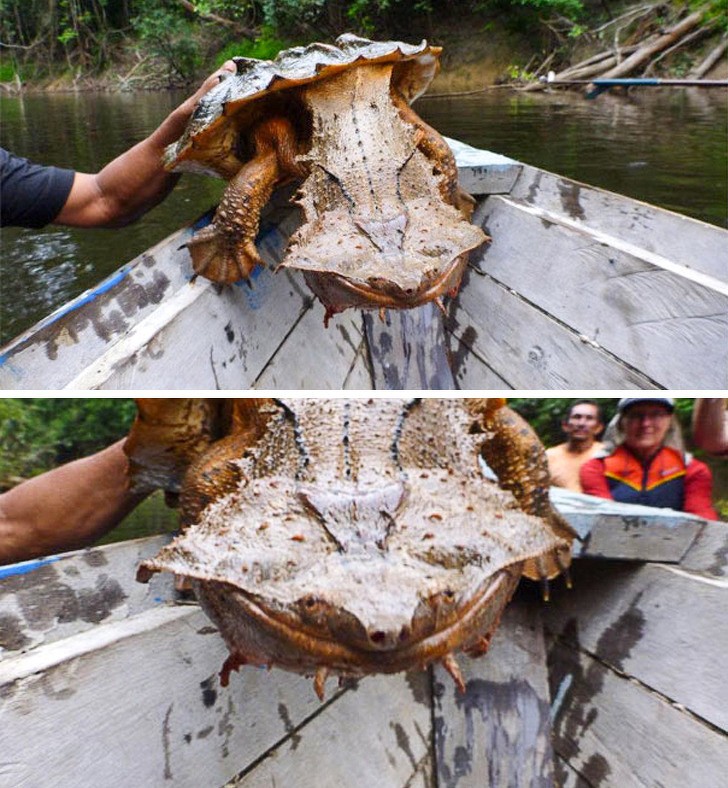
(377, 637)
(404, 634)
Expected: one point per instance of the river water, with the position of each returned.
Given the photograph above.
(663, 146)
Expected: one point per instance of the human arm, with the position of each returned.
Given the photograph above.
(699, 491)
(135, 181)
(592, 478)
(66, 508)
(710, 424)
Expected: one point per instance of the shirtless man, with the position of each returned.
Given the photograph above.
(582, 425)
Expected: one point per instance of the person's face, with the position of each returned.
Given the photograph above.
(645, 426)
(583, 423)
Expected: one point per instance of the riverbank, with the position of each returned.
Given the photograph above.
(478, 53)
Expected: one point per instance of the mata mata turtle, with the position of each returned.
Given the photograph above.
(350, 537)
(385, 223)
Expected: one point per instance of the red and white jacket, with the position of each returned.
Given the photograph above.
(668, 480)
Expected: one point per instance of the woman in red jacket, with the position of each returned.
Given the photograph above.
(647, 464)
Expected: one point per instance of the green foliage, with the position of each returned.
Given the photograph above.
(39, 434)
(167, 33)
(285, 15)
(519, 74)
(716, 11)
(7, 71)
(265, 47)
(546, 415)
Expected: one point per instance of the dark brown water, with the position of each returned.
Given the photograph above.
(666, 147)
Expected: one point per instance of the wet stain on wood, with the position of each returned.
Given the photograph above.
(596, 770)
(209, 694)
(12, 636)
(166, 743)
(289, 726)
(617, 641)
(512, 717)
(44, 600)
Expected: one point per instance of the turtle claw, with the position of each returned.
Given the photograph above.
(319, 682)
(233, 662)
(545, 589)
(451, 666)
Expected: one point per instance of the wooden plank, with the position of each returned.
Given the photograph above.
(360, 376)
(498, 732)
(528, 348)
(142, 695)
(614, 732)
(709, 553)
(482, 171)
(608, 529)
(566, 777)
(377, 734)
(75, 334)
(202, 339)
(469, 369)
(407, 349)
(660, 625)
(312, 356)
(698, 246)
(668, 322)
(52, 598)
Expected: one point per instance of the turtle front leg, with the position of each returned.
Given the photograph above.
(436, 150)
(225, 251)
(515, 453)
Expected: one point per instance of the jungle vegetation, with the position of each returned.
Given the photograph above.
(151, 43)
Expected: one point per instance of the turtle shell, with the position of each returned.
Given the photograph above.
(214, 141)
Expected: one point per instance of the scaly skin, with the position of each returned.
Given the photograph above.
(516, 455)
(225, 251)
(353, 536)
(438, 152)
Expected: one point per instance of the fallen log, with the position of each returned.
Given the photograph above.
(645, 53)
(710, 60)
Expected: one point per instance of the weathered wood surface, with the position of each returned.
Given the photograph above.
(608, 529)
(408, 351)
(331, 361)
(580, 288)
(677, 241)
(143, 696)
(632, 310)
(527, 347)
(498, 732)
(484, 172)
(614, 732)
(142, 699)
(53, 598)
(379, 734)
(660, 625)
(709, 552)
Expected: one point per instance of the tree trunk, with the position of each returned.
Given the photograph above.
(644, 53)
(710, 60)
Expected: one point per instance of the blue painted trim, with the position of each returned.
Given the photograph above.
(82, 300)
(25, 567)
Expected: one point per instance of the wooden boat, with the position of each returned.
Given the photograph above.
(617, 682)
(579, 289)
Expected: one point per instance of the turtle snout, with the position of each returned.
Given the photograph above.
(389, 639)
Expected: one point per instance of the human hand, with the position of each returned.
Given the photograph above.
(188, 106)
(173, 126)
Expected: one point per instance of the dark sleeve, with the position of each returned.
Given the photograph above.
(592, 478)
(698, 490)
(31, 195)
